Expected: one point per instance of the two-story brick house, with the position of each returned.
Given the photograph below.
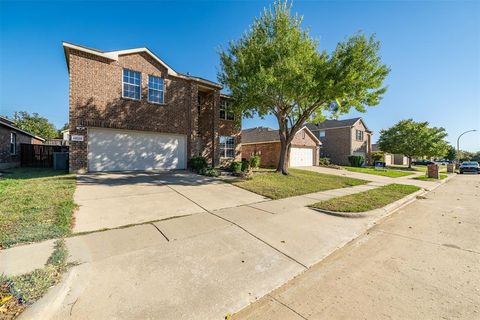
(129, 110)
(342, 138)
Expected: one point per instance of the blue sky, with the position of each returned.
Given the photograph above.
(432, 47)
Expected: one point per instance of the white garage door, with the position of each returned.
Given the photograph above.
(122, 150)
(301, 157)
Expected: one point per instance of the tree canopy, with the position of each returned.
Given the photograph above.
(275, 68)
(35, 124)
(414, 139)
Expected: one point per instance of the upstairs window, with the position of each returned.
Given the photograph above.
(359, 135)
(227, 147)
(132, 81)
(322, 133)
(156, 89)
(13, 143)
(226, 112)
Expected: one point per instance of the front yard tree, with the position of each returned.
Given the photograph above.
(275, 69)
(414, 139)
(36, 124)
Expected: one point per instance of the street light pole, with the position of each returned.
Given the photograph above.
(458, 139)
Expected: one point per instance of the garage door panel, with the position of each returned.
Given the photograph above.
(301, 157)
(120, 150)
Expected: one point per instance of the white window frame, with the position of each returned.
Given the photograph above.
(132, 84)
(162, 90)
(357, 134)
(226, 147)
(225, 106)
(13, 143)
(321, 133)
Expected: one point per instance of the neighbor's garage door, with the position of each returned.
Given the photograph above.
(301, 157)
(121, 150)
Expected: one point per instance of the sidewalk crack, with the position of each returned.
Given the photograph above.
(286, 306)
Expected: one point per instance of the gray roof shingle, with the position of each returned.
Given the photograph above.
(259, 134)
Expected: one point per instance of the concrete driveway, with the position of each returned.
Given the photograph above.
(110, 200)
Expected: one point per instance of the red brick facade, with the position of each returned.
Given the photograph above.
(269, 152)
(339, 143)
(7, 159)
(96, 101)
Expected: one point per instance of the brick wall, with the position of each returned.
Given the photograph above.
(270, 151)
(336, 145)
(7, 160)
(96, 101)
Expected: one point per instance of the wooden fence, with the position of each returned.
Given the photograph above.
(38, 155)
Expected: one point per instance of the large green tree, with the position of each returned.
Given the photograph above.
(35, 124)
(275, 68)
(451, 153)
(414, 139)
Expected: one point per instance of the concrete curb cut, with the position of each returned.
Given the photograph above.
(389, 208)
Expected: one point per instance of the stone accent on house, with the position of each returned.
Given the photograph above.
(96, 101)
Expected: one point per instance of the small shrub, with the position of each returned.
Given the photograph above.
(356, 161)
(245, 166)
(378, 156)
(236, 167)
(210, 172)
(324, 161)
(198, 164)
(255, 161)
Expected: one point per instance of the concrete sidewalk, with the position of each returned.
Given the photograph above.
(420, 263)
(428, 185)
(200, 266)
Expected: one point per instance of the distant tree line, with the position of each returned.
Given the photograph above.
(36, 124)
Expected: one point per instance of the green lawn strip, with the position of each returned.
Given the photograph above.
(35, 204)
(367, 200)
(425, 178)
(386, 173)
(276, 186)
(18, 292)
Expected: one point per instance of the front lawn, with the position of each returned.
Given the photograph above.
(425, 178)
(367, 200)
(35, 204)
(18, 292)
(276, 186)
(386, 173)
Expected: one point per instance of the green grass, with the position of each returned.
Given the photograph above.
(425, 178)
(35, 204)
(386, 173)
(367, 200)
(20, 291)
(276, 186)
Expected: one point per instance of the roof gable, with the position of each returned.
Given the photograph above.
(113, 56)
(265, 134)
(333, 124)
(10, 124)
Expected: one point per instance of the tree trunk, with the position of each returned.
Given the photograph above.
(409, 162)
(282, 161)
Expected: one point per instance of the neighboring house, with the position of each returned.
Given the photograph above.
(342, 138)
(10, 139)
(129, 110)
(398, 159)
(265, 142)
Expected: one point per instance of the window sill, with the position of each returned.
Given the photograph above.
(157, 103)
(132, 99)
